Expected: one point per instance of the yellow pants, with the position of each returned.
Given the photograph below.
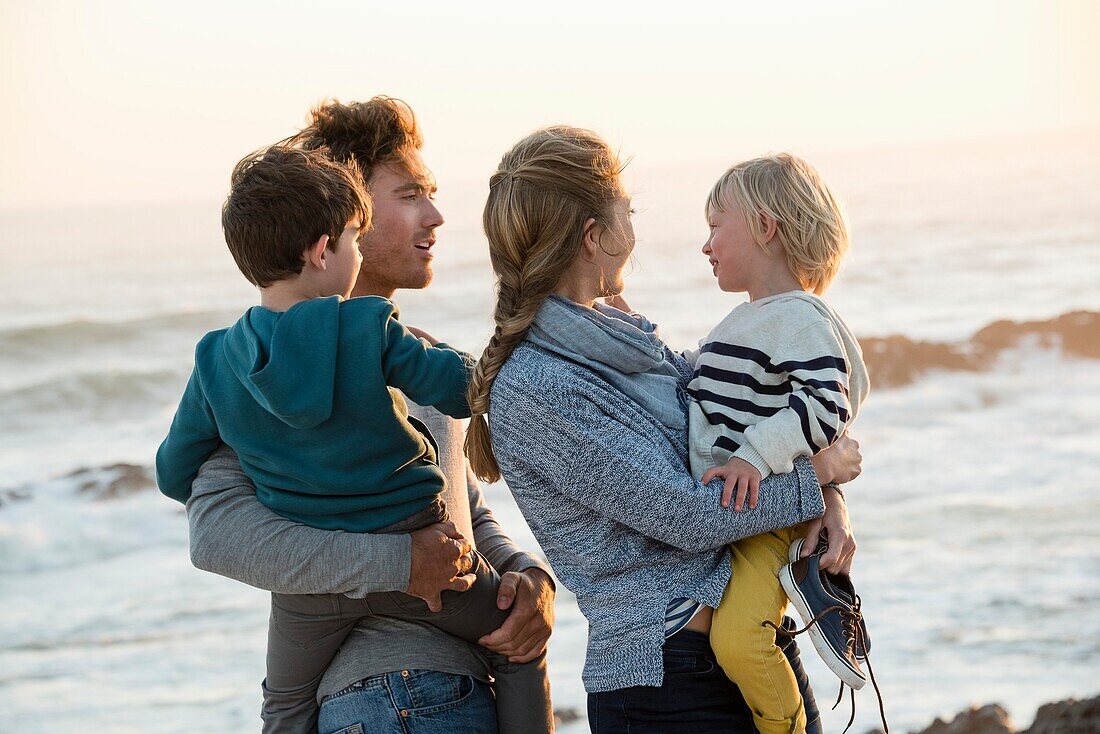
(745, 648)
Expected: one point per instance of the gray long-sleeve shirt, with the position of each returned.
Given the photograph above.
(234, 535)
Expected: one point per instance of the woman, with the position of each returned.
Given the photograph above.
(586, 422)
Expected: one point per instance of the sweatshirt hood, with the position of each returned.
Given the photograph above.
(287, 361)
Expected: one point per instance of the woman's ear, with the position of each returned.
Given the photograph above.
(315, 254)
(590, 240)
(768, 226)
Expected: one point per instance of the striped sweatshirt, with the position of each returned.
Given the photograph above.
(778, 378)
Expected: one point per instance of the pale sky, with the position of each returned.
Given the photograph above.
(116, 102)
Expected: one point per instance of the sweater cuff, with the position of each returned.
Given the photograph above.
(530, 562)
(748, 453)
(391, 554)
(812, 502)
(466, 356)
(521, 561)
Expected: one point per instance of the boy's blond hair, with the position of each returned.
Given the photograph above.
(810, 223)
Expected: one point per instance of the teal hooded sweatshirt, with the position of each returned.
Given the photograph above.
(308, 399)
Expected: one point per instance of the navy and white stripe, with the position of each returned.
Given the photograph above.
(680, 611)
(774, 381)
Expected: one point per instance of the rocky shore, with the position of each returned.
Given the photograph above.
(1065, 717)
(897, 360)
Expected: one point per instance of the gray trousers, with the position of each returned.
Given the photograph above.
(306, 631)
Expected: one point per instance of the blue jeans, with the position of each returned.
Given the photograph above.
(411, 702)
(696, 698)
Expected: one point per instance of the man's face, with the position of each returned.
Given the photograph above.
(397, 251)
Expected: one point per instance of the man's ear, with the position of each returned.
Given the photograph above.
(768, 226)
(315, 254)
(590, 240)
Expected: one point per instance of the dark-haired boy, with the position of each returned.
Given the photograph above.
(300, 388)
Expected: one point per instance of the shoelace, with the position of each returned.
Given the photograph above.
(852, 617)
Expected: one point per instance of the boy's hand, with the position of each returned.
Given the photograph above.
(840, 463)
(740, 475)
(617, 301)
(421, 334)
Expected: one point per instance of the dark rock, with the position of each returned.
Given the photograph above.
(7, 496)
(989, 719)
(899, 360)
(1065, 717)
(1076, 333)
(1068, 717)
(565, 716)
(113, 482)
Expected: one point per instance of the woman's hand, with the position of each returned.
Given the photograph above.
(840, 463)
(842, 543)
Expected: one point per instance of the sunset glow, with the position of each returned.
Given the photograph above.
(123, 101)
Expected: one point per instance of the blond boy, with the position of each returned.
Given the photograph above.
(781, 376)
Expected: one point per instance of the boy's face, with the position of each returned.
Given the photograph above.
(397, 250)
(734, 255)
(344, 262)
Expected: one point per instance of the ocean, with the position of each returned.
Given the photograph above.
(976, 513)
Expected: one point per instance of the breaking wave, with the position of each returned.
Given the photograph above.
(70, 337)
(104, 395)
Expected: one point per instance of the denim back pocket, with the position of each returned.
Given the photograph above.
(353, 729)
(431, 691)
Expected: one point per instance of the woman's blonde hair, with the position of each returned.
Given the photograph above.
(810, 223)
(544, 190)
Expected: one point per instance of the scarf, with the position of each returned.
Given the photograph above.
(621, 348)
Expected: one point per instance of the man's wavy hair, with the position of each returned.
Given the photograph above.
(380, 130)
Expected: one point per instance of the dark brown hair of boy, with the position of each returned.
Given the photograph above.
(281, 200)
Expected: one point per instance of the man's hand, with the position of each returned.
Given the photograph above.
(740, 475)
(440, 561)
(840, 463)
(842, 544)
(523, 636)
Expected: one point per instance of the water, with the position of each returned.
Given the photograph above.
(975, 513)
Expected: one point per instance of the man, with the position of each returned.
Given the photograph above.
(409, 674)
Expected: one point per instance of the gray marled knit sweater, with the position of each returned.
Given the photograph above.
(606, 490)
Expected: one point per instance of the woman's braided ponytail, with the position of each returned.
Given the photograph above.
(544, 190)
